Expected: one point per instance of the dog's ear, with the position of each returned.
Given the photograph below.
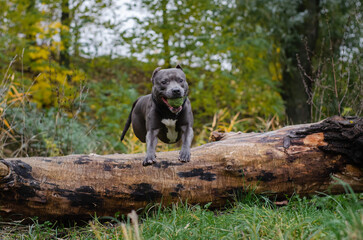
(179, 67)
(154, 73)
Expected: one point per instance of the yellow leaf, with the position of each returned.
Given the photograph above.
(55, 25)
(11, 136)
(8, 125)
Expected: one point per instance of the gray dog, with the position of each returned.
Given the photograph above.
(153, 115)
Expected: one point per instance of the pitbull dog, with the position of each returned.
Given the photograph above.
(152, 117)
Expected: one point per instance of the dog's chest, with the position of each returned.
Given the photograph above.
(171, 133)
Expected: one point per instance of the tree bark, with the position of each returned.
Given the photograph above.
(166, 34)
(296, 159)
(297, 91)
(65, 34)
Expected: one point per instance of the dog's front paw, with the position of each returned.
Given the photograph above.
(149, 160)
(184, 156)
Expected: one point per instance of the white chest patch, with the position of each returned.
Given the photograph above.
(172, 135)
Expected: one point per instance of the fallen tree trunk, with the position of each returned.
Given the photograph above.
(295, 159)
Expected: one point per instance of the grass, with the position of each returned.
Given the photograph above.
(253, 217)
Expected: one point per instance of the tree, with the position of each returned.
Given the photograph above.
(173, 31)
(65, 33)
(297, 88)
(227, 66)
(336, 76)
(19, 26)
(41, 34)
(310, 35)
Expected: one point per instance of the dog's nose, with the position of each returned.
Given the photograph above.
(176, 91)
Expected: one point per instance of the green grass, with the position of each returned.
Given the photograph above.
(254, 217)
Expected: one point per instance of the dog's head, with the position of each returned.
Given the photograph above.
(169, 85)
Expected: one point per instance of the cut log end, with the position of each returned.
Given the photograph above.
(4, 170)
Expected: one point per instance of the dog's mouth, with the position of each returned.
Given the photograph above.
(172, 109)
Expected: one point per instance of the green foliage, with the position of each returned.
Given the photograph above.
(33, 36)
(235, 56)
(173, 32)
(19, 25)
(47, 133)
(326, 58)
(225, 70)
(28, 131)
(109, 104)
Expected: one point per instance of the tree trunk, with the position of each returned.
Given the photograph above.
(65, 34)
(297, 91)
(166, 34)
(296, 159)
(31, 36)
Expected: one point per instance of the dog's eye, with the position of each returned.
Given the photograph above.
(180, 80)
(164, 82)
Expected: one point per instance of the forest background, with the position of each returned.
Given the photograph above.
(251, 66)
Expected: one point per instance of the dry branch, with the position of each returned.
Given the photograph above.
(295, 159)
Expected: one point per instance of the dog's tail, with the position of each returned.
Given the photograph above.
(128, 122)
